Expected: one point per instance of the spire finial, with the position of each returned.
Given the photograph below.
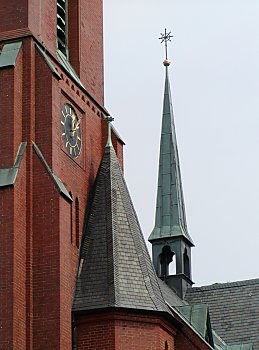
(165, 37)
(109, 119)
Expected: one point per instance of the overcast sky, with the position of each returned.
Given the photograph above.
(215, 89)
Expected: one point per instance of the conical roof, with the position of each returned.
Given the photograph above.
(170, 218)
(115, 269)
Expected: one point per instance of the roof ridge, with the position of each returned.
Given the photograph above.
(221, 285)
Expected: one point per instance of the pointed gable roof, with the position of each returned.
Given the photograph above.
(115, 269)
(170, 210)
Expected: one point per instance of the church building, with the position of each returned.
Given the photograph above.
(75, 269)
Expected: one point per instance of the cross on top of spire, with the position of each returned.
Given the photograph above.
(165, 37)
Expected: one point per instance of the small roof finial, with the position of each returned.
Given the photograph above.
(109, 119)
(165, 37)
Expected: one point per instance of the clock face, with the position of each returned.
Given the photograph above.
(71, 131)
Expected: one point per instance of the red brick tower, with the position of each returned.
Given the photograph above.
(51, 141)
(56, 199)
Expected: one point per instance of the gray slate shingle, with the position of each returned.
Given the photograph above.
(115, 269)
(234, 309)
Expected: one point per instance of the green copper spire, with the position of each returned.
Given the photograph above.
(170, 211)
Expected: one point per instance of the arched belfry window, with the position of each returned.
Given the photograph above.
(166, 257)
(186, 264)
(62, 26)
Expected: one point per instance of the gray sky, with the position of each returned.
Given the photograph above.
(215, 89)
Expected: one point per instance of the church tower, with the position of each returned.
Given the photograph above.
(171, 242)
(52, 139)
(75, 272)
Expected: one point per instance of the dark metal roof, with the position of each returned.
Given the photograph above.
(234, 310)
(69, 69)
(59, 184)
(115, 269)
(48, 62)
(9, 54)
(8, 175)
(198, 316)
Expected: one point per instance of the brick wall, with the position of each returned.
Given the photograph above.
(187, 339)
(28, 133)
(46, 260)
(12, 218)
(85, 38)
(13, 14)
(91, 35)
(19, 260)
(121, 331)
(38, 259)
(85, 34)
(52, 213)
(95, 333)
(115, 330)
(6, 267)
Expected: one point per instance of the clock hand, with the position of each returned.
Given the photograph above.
(73, 128)
(76, 126)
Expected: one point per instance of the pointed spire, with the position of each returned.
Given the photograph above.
(170, 210)
(115, 269)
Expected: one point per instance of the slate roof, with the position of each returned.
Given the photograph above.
(170, 296)
(115, 269)
(170, 218)
(234, 310)
(219, 344)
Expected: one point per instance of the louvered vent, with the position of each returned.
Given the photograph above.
(62, 26)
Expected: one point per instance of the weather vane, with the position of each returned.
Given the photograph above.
(165, 37)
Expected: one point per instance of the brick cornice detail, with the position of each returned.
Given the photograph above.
(15, 34)
(122, 316)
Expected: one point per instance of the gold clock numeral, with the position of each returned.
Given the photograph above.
(63, 133)
(78, 138)
(62, 122)
(70, 150)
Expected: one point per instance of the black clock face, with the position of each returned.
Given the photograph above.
(71, 131)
